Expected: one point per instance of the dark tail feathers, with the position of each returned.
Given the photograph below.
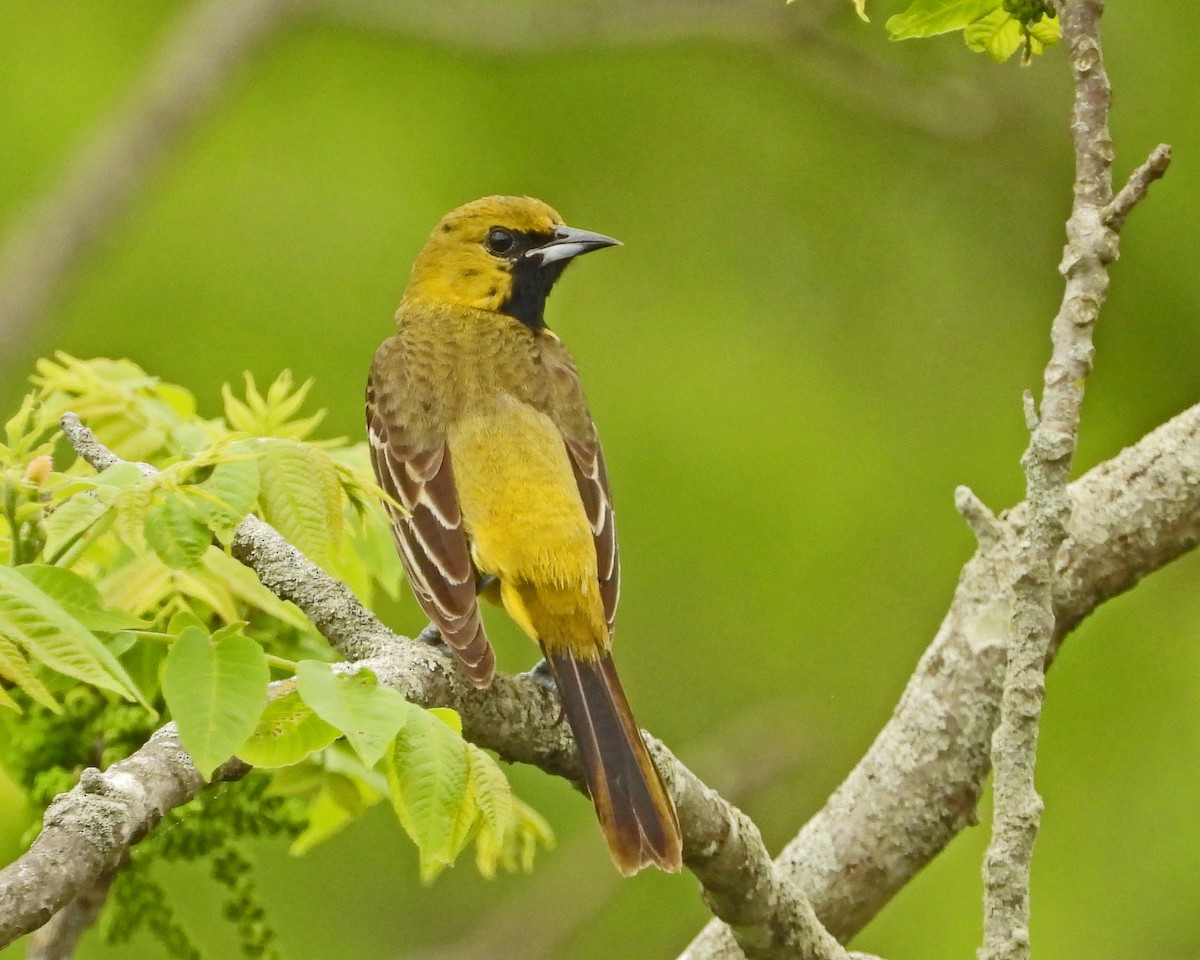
(635, 812)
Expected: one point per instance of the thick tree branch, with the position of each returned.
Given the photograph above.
(518, 719)
(919, 783)
(913, 791)
(87, 831)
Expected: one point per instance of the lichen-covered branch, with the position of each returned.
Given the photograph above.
(519, 719)
(913, 791)
(87, 831)
(918, 785)
(1092, 243)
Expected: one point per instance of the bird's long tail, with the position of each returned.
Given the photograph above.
(634, 809)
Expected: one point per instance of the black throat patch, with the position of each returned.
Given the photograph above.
(531, 281)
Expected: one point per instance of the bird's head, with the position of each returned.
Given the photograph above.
(501, 254)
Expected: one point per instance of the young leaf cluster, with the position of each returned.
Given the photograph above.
(998, 29)
(120, 605)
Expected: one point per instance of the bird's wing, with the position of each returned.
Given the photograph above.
(429, 534)
(564, 402)
(591, 475)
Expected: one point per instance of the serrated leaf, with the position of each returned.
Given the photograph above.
(998, 34)
(131, 507)
(243, 584)
(176, 533)
(927, 18)
(428, 781)
(216, 692)
(230, 492)
(78, 597)
(369, 714)
(491, 790)
(55, 638)
(287, 732)
(300, 496)
(140, 586)
(16, 670)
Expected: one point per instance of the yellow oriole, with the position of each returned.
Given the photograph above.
(479, 427)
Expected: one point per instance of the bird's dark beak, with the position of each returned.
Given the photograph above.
(570, 242)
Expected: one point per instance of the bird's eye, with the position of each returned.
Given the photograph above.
(499, 241)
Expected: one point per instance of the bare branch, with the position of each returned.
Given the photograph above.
(87, 831)
(920, 781)
(1137, 186)
(188, 71)
(1092, 244)
(983, 523)
(58, 938)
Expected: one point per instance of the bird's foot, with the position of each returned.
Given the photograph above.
(432, 636)
(541, 675)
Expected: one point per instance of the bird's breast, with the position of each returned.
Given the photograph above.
(519, 499)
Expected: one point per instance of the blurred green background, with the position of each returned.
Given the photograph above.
(837, 278)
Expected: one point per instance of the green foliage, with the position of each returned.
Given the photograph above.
(368, 714)
(211, 827)
(215, 688)
(998, 29)
(120, 604)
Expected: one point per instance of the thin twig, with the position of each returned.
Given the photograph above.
(1054, 431)
(187, 72)
(1137, 186)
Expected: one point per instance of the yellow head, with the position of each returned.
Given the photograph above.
(501, 254)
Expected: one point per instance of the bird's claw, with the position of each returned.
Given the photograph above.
(541, 675)
(432, 636)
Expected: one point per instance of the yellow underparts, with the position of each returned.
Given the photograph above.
(522, 512)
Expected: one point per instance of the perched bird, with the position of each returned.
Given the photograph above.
(479, 427)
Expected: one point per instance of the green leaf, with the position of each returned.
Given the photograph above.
(216, 692)
(131, 507)
(70, 521)
(1043, 33)
(229, 492)
(78, 597)
(527, 831)
(370, 715)
(287, 732)
(16, 670)
(243, 584)
(55, 638)
(429, 781)
(927, 18)
(340, 800)
(999, 34)
(300, 496)
(120, 475)
(8, 702)
(176, 533)
(491, 790)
